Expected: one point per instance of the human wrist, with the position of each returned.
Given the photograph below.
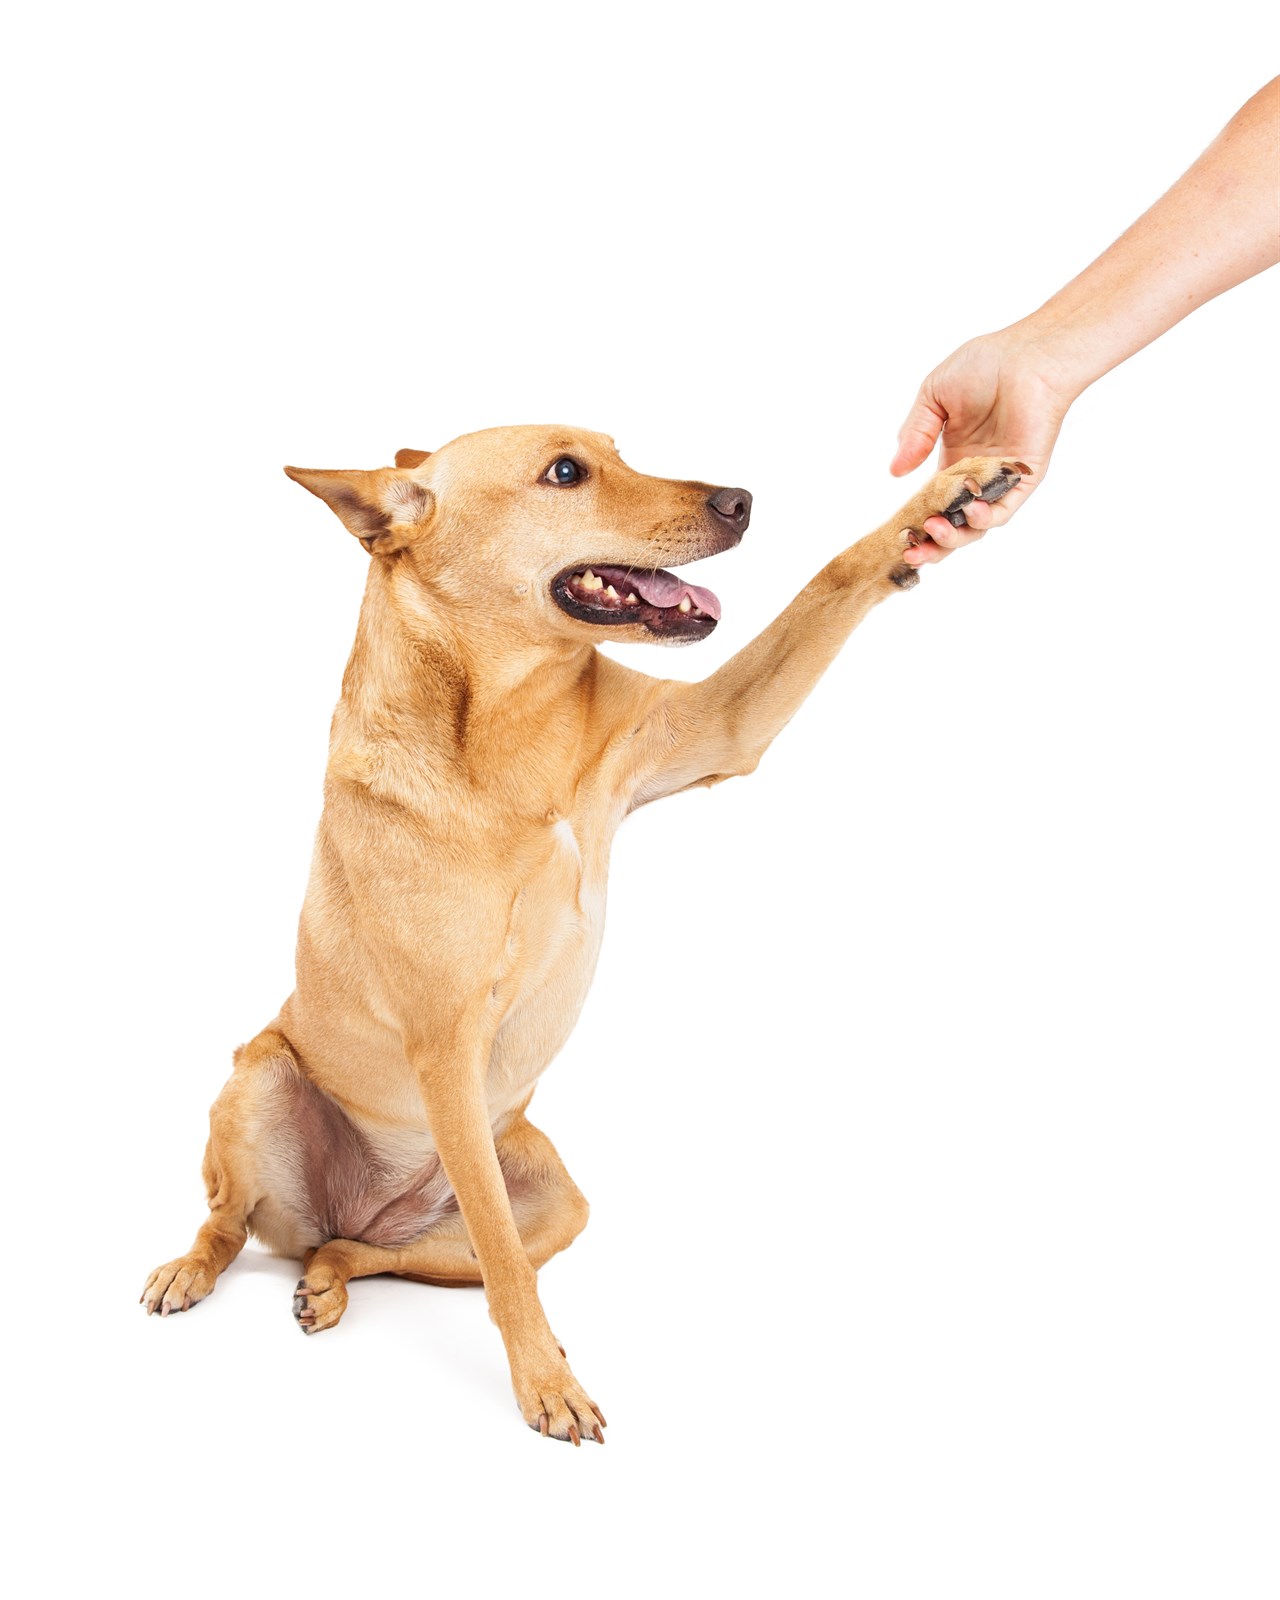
(1062, 347)
(1044, 354)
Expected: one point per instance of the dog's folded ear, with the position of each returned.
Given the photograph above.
(411, 458)
(383, 508)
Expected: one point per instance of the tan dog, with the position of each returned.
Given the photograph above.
(482, 756)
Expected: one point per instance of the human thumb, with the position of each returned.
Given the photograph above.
(917, 435)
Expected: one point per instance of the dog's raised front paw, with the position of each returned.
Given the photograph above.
(981, 478)
(947, 493)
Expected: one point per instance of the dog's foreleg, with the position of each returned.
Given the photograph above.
(699, 733)
(450, 1067)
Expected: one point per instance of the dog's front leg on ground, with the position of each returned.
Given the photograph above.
(450, 1064)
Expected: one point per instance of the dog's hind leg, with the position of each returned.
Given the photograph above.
(232, 1175)
(549, 1209)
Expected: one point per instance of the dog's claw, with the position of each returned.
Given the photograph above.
(1010, 476)
(570, 1429)
(955, 511)
(998, 487)
(319, 1302)
(177, 1286)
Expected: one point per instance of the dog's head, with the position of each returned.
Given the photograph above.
(545, 526)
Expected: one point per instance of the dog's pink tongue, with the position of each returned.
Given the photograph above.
(665, 589)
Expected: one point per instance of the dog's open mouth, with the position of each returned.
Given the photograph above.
(657, 600)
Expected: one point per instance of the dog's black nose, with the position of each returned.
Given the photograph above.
(732, 506)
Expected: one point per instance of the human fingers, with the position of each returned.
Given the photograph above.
(918, 434)
(980, 515)
(941, 540)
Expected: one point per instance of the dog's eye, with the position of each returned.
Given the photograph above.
(563, 471)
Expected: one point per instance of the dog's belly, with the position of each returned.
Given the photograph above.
(326, 1175)
(323, 1173)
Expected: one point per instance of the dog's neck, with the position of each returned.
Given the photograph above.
(426, 693)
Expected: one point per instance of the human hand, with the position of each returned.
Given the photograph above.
(998, 395)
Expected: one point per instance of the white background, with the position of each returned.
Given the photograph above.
(926, 1097)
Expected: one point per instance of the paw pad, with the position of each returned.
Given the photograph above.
(999, 486)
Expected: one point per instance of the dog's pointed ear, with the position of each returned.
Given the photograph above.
(382, 508)
(411, 458)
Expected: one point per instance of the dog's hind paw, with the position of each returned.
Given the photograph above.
(319, 1300)
(178, 1285)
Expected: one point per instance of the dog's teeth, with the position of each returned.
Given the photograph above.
(631, 601)
(685, 605)
(611, 592)
(590, 582)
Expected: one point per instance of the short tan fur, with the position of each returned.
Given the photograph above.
(482, 756)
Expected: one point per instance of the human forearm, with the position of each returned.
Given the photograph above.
(1217, 226)
(1006, 393)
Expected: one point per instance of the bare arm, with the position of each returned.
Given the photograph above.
(1006, 393)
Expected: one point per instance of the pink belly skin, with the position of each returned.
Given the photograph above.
(345, 1190)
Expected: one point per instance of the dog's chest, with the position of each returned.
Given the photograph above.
(554, 939)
